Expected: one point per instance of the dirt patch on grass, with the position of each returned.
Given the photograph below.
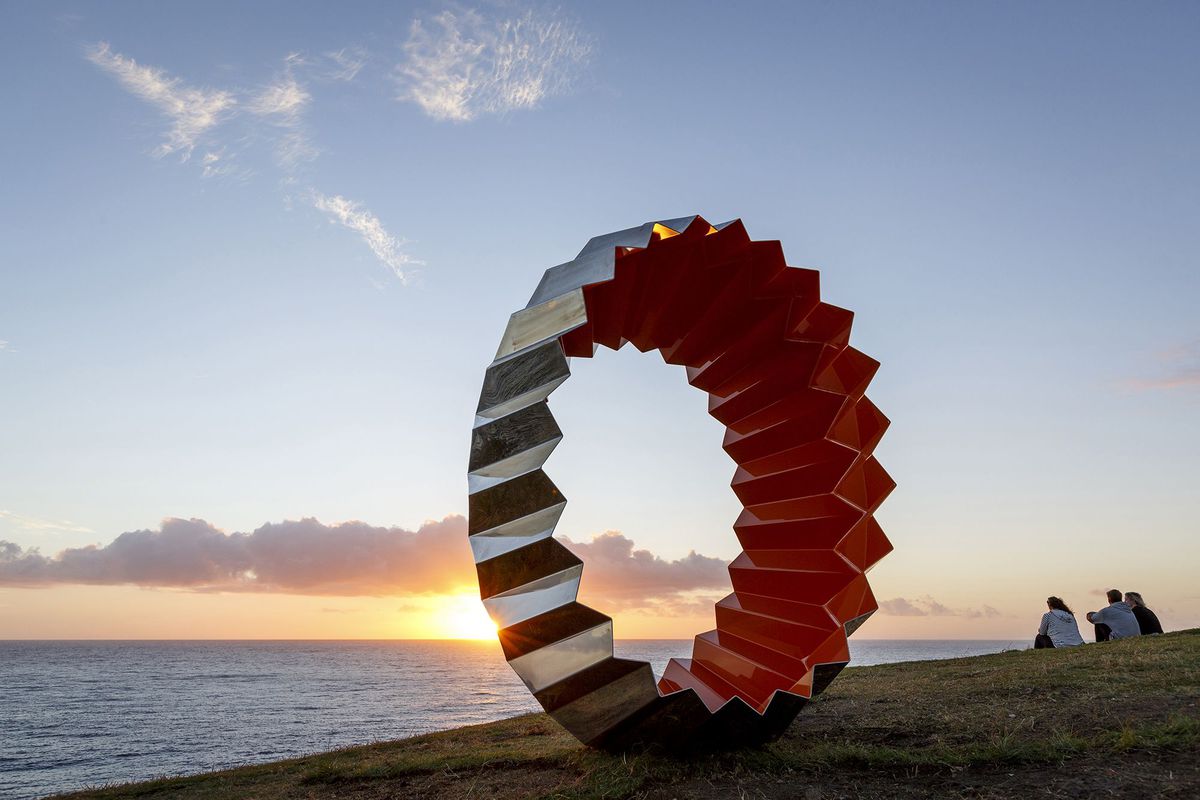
(485, 784)
(1133, 775)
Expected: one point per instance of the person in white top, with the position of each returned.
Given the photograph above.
(1058, 628)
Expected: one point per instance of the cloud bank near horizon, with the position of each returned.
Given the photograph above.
(309, 557)
(300, 557)
(1179, 368)
(625, 577)
(928, 607)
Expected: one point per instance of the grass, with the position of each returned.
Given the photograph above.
(1120, 718)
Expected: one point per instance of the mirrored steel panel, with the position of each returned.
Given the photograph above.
(511, 500)
(539, 323)
(500, 539)
(521, 379)
(562, 659)
(536, 597)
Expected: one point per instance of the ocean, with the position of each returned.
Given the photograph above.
(78, 714)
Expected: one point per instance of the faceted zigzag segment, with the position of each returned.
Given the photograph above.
(776, 363)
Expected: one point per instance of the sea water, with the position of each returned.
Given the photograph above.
(76, 714)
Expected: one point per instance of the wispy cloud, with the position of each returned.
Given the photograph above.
(1179, 367)
(280, 106)
(192, 112)
(35, 524)
(384, 245)
(285, 99)
(3, 345)
(283, 103)
(461, 64)
(457, 65)
(219, 164)
(929, 607)
(347, 63)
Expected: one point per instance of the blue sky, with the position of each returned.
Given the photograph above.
(253, 262)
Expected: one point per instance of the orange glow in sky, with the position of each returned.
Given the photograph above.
(463, 617)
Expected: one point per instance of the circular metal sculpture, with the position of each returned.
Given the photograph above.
(776, 364)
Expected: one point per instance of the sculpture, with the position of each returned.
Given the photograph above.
(780, 374)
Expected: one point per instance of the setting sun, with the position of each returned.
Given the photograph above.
(463, 617)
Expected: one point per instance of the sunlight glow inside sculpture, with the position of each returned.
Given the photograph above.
(781, 376)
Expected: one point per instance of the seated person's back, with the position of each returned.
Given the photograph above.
(1059, 624)
(1118, 617)
(1147, 620)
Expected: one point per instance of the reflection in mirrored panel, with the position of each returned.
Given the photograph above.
(511, 500)
(511, 467)
(535, 597)
(484, 547)
(512, 434)
(552, 663)
(527, 529)
(538, 323)
(520, 380)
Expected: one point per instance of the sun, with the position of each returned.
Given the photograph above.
(463, 617)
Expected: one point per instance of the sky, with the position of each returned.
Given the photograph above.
(255, 258)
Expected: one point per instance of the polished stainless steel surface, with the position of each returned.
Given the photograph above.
(548, 320)
(529, 528)
(562, 659)
(510, 500)
(520, 380)
(533, 598)
(512, 445)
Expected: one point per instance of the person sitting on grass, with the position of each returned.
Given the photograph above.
(1116, 621)
(1147, 620)
(1058, 628)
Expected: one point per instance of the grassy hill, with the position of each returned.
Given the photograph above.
(1115, 720)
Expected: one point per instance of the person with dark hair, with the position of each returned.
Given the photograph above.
(1116, 621)
(1147, 620)
(1058, 628)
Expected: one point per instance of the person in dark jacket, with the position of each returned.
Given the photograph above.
(1147, 620)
